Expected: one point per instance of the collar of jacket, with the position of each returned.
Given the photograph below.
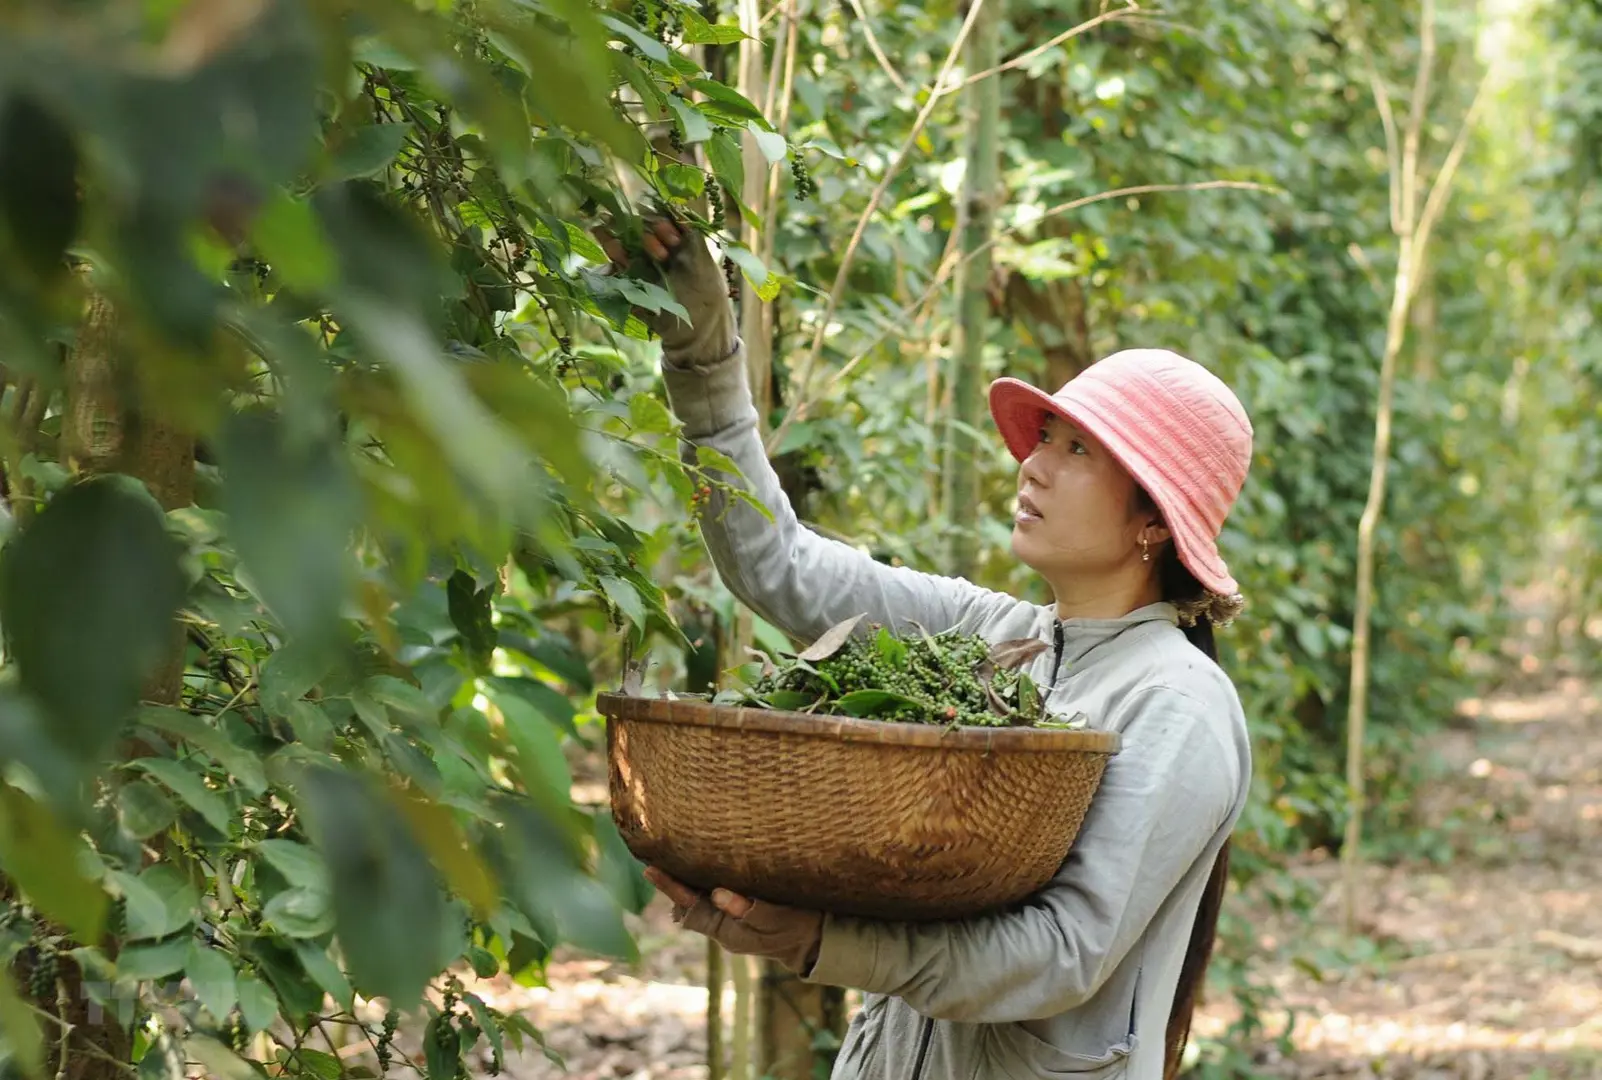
(1080, 636)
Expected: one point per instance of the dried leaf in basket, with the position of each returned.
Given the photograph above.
(832, 641)
(1014, 654)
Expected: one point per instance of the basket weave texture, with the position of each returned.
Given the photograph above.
(857, 817)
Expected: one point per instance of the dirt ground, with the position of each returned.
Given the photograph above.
(1486, 966)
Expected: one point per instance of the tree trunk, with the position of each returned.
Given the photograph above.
(981, 121)
(104, 430)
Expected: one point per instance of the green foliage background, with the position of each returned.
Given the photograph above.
(436, 500)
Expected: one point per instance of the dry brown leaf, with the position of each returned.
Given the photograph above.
(832, 641)
(1014, 654)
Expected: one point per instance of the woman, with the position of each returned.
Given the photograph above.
(1125, 478)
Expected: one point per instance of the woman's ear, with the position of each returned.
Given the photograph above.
(1156, 533)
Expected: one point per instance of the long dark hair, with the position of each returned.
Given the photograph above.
(1179, 584)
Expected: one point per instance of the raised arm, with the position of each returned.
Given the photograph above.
(801, 582)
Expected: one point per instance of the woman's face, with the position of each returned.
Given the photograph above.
(1077, 515)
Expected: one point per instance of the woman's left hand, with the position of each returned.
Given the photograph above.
(744, 926)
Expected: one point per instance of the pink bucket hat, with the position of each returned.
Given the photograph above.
(1176, 427)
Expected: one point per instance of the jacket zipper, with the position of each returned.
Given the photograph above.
(1056, 662)
(924, 1038)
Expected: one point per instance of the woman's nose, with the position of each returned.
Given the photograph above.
(1033, 469)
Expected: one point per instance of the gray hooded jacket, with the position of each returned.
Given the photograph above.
(1077, 981)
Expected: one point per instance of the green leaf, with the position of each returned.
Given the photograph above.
(626, 597)
(648, 45)
(39, 205)
(1030, 702)
(697, 31)
(487, 1023)
(218, 1061)
(290, 673)
(289, 238)
(300, 865)
(145, 906)
(618, 869)
(651, 297)
(729, 103)
(891, 649)
(727, 161)
(649, 416)
(385, 888)
(311, 725)
(44, 858)
(829, 147)
(401, 697)
(212, 976)
(144, 809)
(239, 762)
(321, 967)
(790, 700)
(161, 1061)
(189, 787)
(300, 913)
(873, 702)
(473, 440)
(442, 1047)
(557, 654)
(684, 181)
(583, 244)
(556, 706)
(756, 271)
(472, 612)
(292, 504)
(693, 126)
(144, 962)
(771, 143)
(175, 894)
(94, 576)
(258, 1005)
(436, 827)
(540, 760)
(316, 1063)
(366, 151)
(485, 966)
(544, 869)
(709, 458)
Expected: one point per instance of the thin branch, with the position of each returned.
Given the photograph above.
(1441, 190)
(62, 1055)
(1068, 35)
(1415, 118)
(1393, 151)
(873, 46)
(88, 1046)
(803, 376)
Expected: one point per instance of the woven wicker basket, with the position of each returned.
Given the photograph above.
(859, 817)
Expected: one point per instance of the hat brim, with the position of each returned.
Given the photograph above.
(1020, 409)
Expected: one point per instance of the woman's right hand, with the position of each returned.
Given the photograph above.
(696, 282)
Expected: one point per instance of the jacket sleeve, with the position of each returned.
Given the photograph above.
(1163, 799)
(799, 581)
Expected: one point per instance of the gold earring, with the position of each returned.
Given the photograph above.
(1145, 550)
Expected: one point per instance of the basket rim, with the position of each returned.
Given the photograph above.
(692, 712)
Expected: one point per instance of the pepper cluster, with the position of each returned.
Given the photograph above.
(949, 679)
